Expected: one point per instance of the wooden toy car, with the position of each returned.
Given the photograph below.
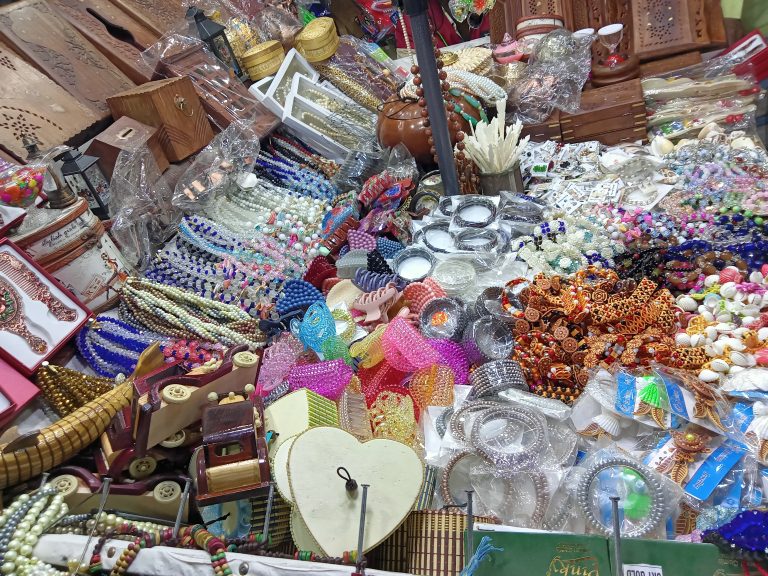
(157, 496)
(234, 460)
(162, 417)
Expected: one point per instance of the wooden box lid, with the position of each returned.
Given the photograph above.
(97, 20)
(48, 42)
(126, 134)
(614, 137)
(547, 130)
(172, 105)
(607, 102)
(25, 104)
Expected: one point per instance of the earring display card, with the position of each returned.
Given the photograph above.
(37, 315)
(25, 105)
(48, 42)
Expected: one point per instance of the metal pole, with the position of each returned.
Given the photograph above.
(268, 515)
(180, 511)
(618, 566)
(430, 82)
(361, 534)
(470, 528)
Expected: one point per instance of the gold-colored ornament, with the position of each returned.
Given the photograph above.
(66, 390)
(686, 446)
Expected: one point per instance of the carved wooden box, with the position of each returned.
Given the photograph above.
(159, 16)
(25, 108)
(45, 40)
(126, 134)
(173, 107)
(118, 36)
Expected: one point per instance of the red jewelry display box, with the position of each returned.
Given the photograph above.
(38, 315)
(16, 392)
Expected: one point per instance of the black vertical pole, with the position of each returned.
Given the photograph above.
(430, 82)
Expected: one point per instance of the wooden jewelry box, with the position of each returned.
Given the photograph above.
(607, 114)
(173, 107)
(126, 134)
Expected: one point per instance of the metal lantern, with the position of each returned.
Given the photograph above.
(213, 34)
(85, 178)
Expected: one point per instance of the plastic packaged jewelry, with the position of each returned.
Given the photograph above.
(473, 211)
(452, 354)
(645, 498)
(488, 339)
(455, 276)
(511, 437)
(325, 378)
(414, 263)
(443, 318)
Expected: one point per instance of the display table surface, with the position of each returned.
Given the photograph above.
(58, 549)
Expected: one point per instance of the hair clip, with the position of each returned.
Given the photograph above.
(369, 351)
(452, 355)
(297, 295)
(405, 348)
(432, 386)
(347, 265)
(328, 378)
(316, 326)
(376, 304)
(377, 263)
(419, 294)
(369, 281)
(387, 247)
(319, 270)
(358, 240)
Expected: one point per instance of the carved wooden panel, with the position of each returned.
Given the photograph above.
(160, 16)
(30, 103)
(661, 25)
(120, 38)
(55, 48)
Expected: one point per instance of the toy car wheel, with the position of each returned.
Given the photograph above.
(167, 491)
(66, 484)
(245, 359)
(174, 440)
(176, 394)
(142, 467)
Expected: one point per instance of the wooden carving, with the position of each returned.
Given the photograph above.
(35, 32)
(30, 103)
(120, 38)
(159, 16)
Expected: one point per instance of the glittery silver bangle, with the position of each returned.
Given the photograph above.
(452, 319)
(466, 203)
(519, 459)
(586, 493)
(441, 424)
(463, 240)
(458, 420)
(494, 377)
(439, 226)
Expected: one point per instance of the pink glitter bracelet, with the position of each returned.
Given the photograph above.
(325, 378)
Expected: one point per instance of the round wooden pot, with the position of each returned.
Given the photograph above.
(606, 75)
(401, 121)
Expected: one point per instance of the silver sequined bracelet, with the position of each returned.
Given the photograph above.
(590, 484)
(520, 459)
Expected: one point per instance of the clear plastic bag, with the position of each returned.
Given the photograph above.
(646, 498)
(225, 98)
(557, 69)
(141, 205)
(230, 155)
(276, 23)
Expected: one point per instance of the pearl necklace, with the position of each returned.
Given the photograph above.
(481, 87)
(22, 524)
